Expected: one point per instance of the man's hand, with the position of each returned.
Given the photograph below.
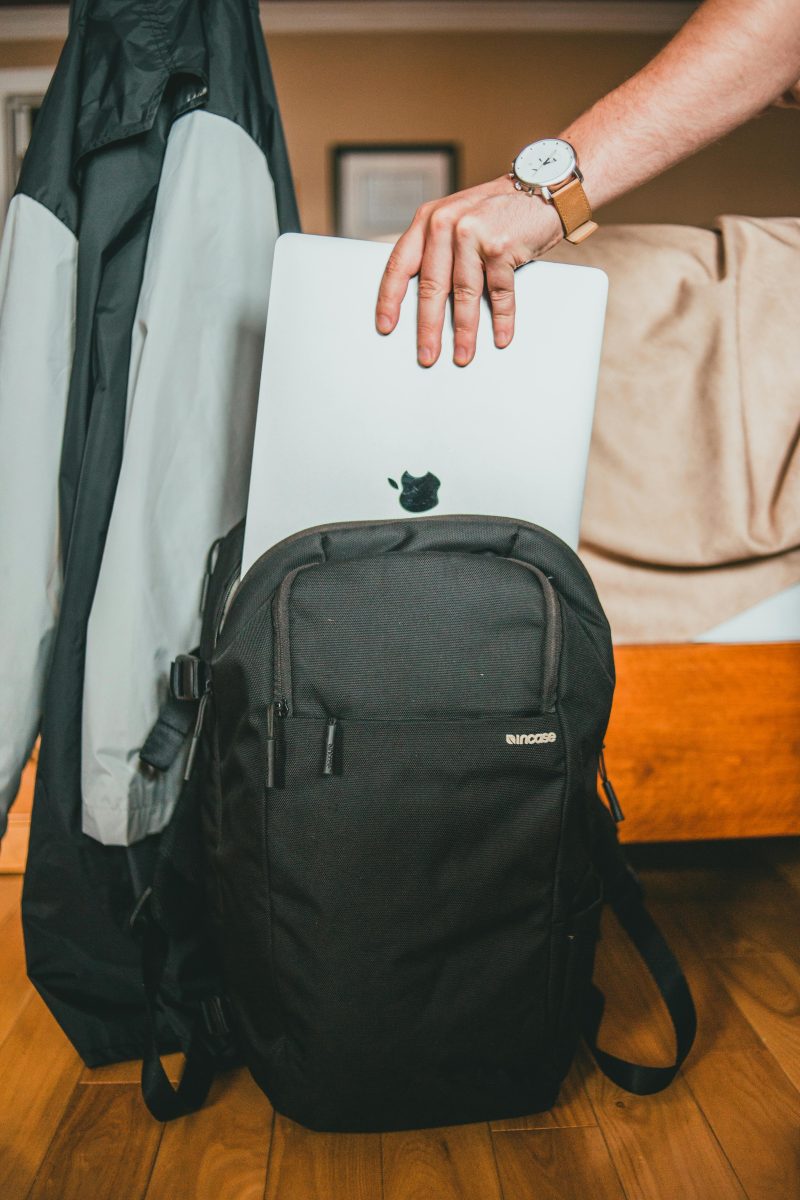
(457, 245)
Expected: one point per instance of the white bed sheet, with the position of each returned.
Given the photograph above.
(776, 619)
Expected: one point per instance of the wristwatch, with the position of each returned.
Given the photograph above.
(549, 168)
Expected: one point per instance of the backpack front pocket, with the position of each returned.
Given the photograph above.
(375, 638)
(410, 889)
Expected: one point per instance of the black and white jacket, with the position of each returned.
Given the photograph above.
(134, 279)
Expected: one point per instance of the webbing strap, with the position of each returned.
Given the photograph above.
(174, 723)
(164, 1101)
(624, 894)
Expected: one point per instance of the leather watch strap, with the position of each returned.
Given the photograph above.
(574, 210)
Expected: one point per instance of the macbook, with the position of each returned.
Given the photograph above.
(350, 428)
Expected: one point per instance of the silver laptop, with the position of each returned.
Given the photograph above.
(350, 428)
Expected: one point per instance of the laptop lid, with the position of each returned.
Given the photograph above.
(350, 428)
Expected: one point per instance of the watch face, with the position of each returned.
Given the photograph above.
(545, 162)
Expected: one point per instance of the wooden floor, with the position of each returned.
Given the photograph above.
(729, 1127)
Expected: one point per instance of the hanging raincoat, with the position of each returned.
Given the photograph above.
(134, 280)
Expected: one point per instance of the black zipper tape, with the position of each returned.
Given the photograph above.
(552, 636)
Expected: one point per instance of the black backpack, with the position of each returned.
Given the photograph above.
(382, 886)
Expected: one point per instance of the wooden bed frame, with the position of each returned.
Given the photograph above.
(704, 742)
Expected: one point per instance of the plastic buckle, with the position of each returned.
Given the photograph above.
(189, 677)
(213, 1010)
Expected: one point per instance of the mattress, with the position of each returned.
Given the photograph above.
(776, 619)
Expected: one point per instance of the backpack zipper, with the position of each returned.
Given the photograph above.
(552, 635)
(282, 658)
(190, 679)
(280, 706)
(198, 729)
(282, 662)
(608, 787)
(277, 709)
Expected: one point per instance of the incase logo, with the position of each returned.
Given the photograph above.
(529, 739)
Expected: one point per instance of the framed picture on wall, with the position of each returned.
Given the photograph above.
(378, 188)
(21, 92)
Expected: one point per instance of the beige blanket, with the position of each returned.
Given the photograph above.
(692, 507)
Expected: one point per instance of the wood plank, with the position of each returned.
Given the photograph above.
(572, 1111)
(223, 1149)
(304, 1165)
(635, 1023)
(755, 1114)
(14, 846)
(661, 1145)
(40, 1072)
(743, 928)
(721, 1024)
(16, 991)
(556, 1164)
(10, 896)
(731, 901)
(783, 854)
(454, 1162)
(682, 741)
(649, 1137)
(719, 870)
(766, 988)
(104, 1148)
(131, 1072)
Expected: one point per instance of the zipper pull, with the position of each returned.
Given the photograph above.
(330, 747)
(198, 729)
(608, 788)
(190, 679)
(277, 709)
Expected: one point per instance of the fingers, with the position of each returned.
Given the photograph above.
(435, 283)
(404, 263)
(500, 283)
(455, 246)
(468, 279)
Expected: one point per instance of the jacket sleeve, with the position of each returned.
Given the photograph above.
(38, 257)
(192, 393)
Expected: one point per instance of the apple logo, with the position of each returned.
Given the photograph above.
(419, 492)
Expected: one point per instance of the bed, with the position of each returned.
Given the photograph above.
(704, 742)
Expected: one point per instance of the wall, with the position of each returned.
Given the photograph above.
(491, 95)
(28, 54)
(494, 94)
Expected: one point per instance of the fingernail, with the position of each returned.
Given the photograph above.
(461, 356)
(425, 356)
(384, 323)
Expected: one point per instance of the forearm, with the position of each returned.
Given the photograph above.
(730, 60)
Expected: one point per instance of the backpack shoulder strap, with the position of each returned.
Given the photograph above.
(624, 893)
(203, 1051)
(168, 924)
(180, 973)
